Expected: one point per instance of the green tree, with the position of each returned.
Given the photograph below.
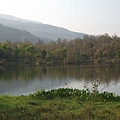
(117, 55)
(1, 54)
(44, 54)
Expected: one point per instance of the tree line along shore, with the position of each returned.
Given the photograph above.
(96, 49)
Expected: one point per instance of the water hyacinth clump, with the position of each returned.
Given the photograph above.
(80, 95)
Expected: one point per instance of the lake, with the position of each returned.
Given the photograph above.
(23, 80)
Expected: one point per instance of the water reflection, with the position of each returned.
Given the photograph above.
(25, 80)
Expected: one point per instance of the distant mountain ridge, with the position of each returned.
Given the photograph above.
(13, 34)
(10, 17)
(43, 31)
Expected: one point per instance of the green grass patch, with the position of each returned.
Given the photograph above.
(61, 104)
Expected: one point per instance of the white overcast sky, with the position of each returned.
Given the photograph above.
(87, 16)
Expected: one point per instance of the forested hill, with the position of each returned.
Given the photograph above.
(43, 31)
(13, 34)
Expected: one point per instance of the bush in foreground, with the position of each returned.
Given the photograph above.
(80, 95)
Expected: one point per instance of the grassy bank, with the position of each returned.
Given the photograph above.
(61, 104)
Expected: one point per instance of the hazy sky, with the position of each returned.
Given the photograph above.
(87, 16)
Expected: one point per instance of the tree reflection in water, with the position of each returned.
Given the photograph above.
(58, 76)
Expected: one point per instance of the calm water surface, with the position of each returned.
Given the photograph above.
(25, 80)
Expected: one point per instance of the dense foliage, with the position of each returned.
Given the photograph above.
(101, 48)
(79, 95)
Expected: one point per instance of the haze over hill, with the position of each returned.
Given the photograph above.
(10, 17)
(43, 31)
(13, 34)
